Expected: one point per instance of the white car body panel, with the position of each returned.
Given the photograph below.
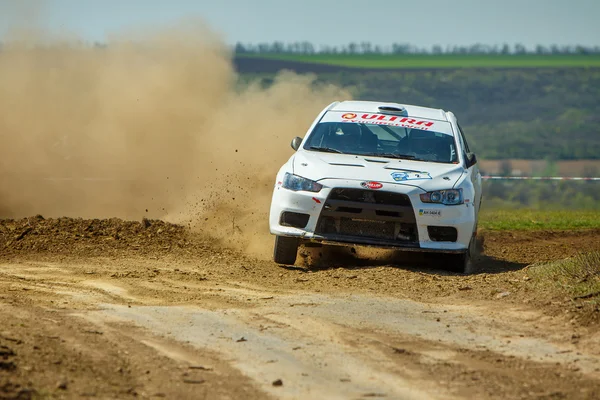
(400, 176)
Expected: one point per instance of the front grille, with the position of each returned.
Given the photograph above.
(370, 196)
(359, 228)
(368, 216)
(373, 229)
(388, 213)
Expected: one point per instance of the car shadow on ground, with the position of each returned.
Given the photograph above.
(333, 257)
(483, 264)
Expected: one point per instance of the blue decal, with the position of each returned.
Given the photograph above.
(410, 176)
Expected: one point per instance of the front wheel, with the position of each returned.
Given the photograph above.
(459, 263)
(286, 250)
(462, 263)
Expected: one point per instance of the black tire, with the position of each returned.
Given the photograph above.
(286, 250)
(463, 263)
(458, 263)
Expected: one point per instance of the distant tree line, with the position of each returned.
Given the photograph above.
(307, 48)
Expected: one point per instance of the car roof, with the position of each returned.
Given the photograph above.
(373, 107)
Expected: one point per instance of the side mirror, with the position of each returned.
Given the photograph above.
(471, 160)
(296, 143)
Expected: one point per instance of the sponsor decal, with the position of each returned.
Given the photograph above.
(402, 121)
(396, 119)
(436, 213)
(391, 120)
(410, 176)
(371, 185)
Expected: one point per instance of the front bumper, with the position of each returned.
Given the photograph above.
(395, 219)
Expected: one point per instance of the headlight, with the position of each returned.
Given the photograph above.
(296, 183)
(450, 197)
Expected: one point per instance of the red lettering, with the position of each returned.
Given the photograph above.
(378, 119)
(426, 123)
(372, 185)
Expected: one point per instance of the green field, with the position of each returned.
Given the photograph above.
(538, 220)
(392, 61)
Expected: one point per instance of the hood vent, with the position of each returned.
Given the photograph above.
(393, 110)
(346, 165)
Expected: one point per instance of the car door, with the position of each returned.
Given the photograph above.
(472, 170)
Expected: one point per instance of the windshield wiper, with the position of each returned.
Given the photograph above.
(392, 155)
(325, 149)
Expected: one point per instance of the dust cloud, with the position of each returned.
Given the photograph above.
(149, 125)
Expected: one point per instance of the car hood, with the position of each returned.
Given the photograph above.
(426, 175)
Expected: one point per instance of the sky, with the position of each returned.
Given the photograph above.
(324, 22)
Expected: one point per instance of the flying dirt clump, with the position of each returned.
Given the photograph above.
(153, 125)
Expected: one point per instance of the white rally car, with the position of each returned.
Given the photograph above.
(379, 174)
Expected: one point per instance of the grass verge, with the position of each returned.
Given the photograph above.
(538, 219)
(577, 277)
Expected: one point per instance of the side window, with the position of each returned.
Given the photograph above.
(464, 140)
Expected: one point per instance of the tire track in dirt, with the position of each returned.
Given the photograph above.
(341, 346)
(355, 327)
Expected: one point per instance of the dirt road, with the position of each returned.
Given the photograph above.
(113, 309)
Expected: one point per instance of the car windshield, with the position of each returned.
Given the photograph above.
(380, 140)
